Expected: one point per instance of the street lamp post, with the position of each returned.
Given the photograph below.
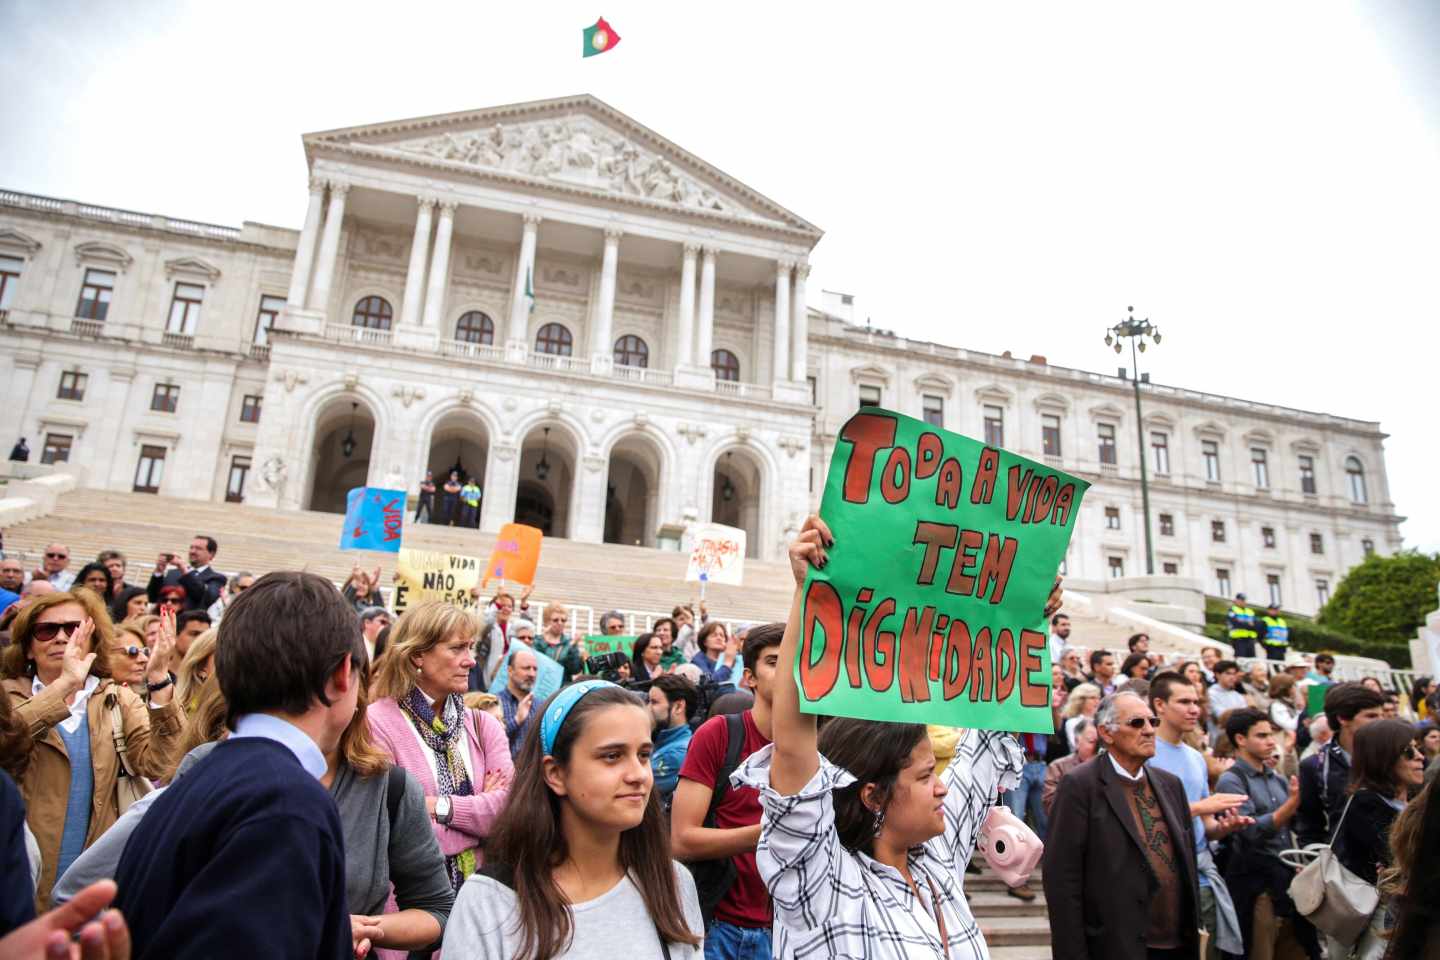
(1138, 331)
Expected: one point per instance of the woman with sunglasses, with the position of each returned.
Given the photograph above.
(57, 677)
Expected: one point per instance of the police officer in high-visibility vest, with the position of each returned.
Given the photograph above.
(1241, 620)
(1274, 633)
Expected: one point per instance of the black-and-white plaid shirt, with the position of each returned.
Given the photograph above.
(831, 902)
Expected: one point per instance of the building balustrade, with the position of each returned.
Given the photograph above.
(84, 327)
(346, 333)
(181, 341)
(469, 350)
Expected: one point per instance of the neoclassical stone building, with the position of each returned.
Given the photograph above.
(613, 337)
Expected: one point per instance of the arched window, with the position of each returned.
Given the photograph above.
(372, 312)
(631, 351)
(1355, 473)
(725, 364)
(475, 327)
(554, 338)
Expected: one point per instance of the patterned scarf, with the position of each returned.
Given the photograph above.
(445, 736)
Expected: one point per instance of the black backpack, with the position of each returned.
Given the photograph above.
(714, 878)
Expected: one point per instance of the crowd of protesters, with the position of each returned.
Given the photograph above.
(271, 766)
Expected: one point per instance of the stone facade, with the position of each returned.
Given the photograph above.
(554, 298)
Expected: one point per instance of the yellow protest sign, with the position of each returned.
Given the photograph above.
(425, 575)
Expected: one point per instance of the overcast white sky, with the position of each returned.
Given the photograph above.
(1260, 179)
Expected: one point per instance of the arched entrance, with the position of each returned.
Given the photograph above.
(735, 495)
(340, 460)
(460, 442)
(632, 492)
(546, 484)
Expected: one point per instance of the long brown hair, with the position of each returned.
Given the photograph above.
(528, 839)
(17, 663)
(16, 743)
(1413, 883)
(873, 752)
(1378, 747)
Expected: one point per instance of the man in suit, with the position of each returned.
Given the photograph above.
(203, 583)
(1120, 876)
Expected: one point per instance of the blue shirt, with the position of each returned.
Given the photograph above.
(7, 598)
(668, 757)
(288, 735)
(1187, 764)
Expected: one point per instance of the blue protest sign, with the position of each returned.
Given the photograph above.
(374, 519)
(549, 676)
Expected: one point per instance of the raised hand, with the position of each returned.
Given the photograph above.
(79, 656)
(1053, 604)
(72, 930)
(1217, 803)
(525, 593)
(808, 548)
(164, 651)
(522, 709)
(375, 579)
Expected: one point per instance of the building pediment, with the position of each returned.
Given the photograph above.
(934, 383)
(572, 143)
(103, 254)
(192, 267)
(16, 244)
(870, 373)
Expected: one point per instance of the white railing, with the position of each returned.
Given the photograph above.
(114, 215)
(182, 341)
(553, 361)
(346, 333)
(472, 351)
(260, 351)
(662, 378)
(737, 388)
(85, 327)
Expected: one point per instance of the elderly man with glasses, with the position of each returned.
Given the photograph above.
(53, 567)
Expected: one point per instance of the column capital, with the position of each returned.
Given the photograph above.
(613, 233)
(708, 251)
(425, 201)
(318, 184)
(447, 207)
(691, 248)
(340, 187)
(783, 266)
(802, 269)
(531, 219)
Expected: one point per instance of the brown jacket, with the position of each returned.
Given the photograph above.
(151, 738)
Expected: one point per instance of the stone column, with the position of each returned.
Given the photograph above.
(502, 484)
(410, 310)
(439, 268)
(799, 327)
(685, 322)
(780, 366)
(705, 335)
(329, 248)
(517, 341)
(602, 348)
(587, 500)
(305, 253)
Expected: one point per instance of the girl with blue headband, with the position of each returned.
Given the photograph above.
(579, 864)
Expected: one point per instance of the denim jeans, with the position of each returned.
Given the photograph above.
(725, 941)
(1028, 794)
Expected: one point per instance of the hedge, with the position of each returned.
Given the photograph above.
(1309, 636)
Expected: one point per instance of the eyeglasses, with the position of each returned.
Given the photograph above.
(57, 556)
(49, 631)
(133, 651)
(1414, 753)
(1140, 723)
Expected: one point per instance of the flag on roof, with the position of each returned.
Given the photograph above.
(599, 38)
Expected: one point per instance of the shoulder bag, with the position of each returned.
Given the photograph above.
(129, 785)
(1332, 898)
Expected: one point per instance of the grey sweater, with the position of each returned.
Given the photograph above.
(375, 855)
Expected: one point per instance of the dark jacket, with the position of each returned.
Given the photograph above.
(1362, 843)
(201, 590)
(1323, 779)
(1097, 878)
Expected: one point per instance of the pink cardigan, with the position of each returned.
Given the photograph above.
(474, 817)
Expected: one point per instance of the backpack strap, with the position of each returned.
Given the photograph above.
(394, 793)
(117, 733)
(734, 743)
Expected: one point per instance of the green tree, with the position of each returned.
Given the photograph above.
(1384, 598)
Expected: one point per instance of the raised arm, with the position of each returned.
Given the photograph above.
(796, 756)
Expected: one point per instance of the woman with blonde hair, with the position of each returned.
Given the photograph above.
(57, 676)
(460, 756)
(197, 666)
(1084, 700)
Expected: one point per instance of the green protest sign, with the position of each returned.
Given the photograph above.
(930, 608)
(1315, 698)
(596, 644)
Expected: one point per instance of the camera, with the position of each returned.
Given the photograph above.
(606, 665)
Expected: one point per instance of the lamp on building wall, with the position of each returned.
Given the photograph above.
(1138, 331)
(347, 446)
(542, 469)
(727, 489)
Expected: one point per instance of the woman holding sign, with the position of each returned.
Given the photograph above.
(862, 846)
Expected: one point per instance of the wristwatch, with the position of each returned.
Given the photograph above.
(443, 812)
(155, 687)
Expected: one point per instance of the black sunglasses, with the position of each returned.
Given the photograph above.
(1140, 723)
(48, 631)
(133, 651)
(57, 556)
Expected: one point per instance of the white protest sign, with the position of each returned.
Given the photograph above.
(717, 554)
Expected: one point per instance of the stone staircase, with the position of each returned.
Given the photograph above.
(1014, 930)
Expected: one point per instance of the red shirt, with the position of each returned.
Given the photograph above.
(747, 904)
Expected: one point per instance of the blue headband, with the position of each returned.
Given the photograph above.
(560, 708)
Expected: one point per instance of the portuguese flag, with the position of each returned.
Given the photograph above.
(600, 38)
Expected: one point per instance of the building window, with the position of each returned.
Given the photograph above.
(1222, 581)
(1050, 434)
(814, 384)
(1355, 474)
(150, 469)
(1322, 591)
(269, 312)
(1167, 525)
(1267, 537)
(10, 268)
(933, 409)
(869, 395)
(631, 351)
(1170, 568)
(72, 385)
(235, 485)
(1260, 466)
(250, 408)
(1117, 567)
(1317, 544)
(1107, 443)
(1112, 518)
(56, 449)
(374, 313)
(1272, 582)
(1210, 451)
(165, 398)
(185, 308)
(555, 339)
(1217, 531)
(726, 365)
(475, 327)
(95, 295)
(994, 425)
(1367, 547)
(1160, 444)
(1307, 474)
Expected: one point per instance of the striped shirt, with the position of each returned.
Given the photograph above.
(831, 902)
